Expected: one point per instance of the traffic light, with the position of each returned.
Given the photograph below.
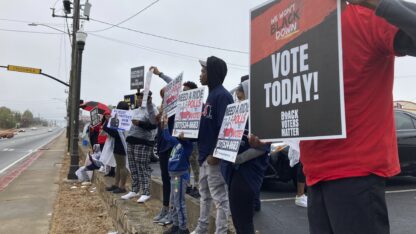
(67, 6)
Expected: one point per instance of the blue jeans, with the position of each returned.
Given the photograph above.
(178, 188)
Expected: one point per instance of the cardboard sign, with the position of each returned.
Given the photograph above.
(147, 87)
(232, 131)
(188, 113)
(131, 100)
(137, 77)
(170, 99)
(95, 118)
(120, 120)
(296, 76)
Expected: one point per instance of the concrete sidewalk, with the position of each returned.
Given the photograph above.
(26, 204)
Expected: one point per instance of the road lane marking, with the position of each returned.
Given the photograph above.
(293, 198)
(278, 199)
(401, 191)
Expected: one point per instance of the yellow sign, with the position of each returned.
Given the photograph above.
(24, 69)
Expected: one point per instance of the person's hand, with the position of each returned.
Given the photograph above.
(155, 70)
(107, 117)
(212, 161)
(372, 4)
(255, 142)
(159, 117)
(149, 100)
(181, 136)
(164, 120)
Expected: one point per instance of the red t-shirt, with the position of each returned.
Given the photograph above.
(371, 145)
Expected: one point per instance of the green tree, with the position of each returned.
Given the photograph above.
(27, 118)
(7, 119)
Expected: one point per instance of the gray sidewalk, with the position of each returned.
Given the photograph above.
(26, 205)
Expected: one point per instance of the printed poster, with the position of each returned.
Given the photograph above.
(188, 113)
(95, 118)
(296, 76)
(170, 99)
(120, 119)
(232, 131)
(137, 77)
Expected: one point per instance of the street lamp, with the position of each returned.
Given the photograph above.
(81, 37)
(45, 25)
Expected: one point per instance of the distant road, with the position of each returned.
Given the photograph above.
(14, 149)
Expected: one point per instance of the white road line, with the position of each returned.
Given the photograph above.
(278, 199)
(293, 198)
(26, 155)
(5, 149)
(11, 150)
(401, 191)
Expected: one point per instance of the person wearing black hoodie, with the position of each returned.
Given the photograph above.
(212, 186)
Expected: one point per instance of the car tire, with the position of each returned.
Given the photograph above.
(155, 157)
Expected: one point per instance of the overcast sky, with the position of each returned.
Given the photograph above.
(109, 56)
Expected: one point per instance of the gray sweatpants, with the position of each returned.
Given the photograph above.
(212, 187)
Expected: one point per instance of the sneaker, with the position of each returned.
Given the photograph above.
(301, 201)
(111, 188)
(161, 214)
(143, 198)
(119, 190)
(86, 183)
(180, 231)
(166, 220)
(172, 230)
(129, 195)
(189, 190)
(195, 192)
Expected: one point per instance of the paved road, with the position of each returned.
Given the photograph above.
(279, 213)
(14, 149)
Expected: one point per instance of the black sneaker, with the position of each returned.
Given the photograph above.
(189, 190)
(180, 231)
(172, 230)
(111, 188)
(195, 192)
(119, 190)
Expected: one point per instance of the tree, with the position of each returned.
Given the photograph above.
(7, 119)
(27, 118)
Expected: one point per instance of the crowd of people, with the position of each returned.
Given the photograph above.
(346, 177)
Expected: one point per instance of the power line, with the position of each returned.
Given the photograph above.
(129, 18)
(27, 22)
(164, 52)
(170, 39)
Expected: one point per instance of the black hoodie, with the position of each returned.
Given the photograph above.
(214, 108)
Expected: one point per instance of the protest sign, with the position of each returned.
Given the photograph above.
(232, 131)
(95, 118)
(296, 76)
(131, 100)
(137, 77)
(188, 113)
(170, 99)
(147, 87)
(120, 119)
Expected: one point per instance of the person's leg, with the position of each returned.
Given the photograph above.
(205, 200)
(317, 214)
(163, 162)
(143, 163)
(132, 152)
(118, 159)
(180, 203)
(218, 190)
(121, 164)
(175, 200)
(241, 203)
(301, 199)
(194, 165)
(357, 205)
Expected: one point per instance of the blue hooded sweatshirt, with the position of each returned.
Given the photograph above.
(181, 151)
(214, 109)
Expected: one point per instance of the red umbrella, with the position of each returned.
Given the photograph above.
(102, 108)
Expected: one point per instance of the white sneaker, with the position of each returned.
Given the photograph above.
(301, 201)
(129, 195)
(143, 198)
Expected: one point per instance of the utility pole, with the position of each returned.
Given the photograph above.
(74, 102)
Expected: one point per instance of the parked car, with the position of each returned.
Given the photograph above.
(280, 170)
(406, 141)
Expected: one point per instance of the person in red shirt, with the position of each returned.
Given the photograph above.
(347, 176)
